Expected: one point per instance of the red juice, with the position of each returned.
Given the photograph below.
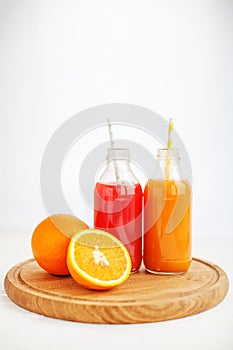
(118, 210)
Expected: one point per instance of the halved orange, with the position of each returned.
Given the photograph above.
(98, 260)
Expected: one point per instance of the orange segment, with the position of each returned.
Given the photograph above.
(98, 260)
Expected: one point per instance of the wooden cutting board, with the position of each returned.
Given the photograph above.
(142, 298)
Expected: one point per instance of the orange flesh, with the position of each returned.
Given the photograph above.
(84, 257)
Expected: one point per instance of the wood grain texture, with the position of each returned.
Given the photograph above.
(142, 298)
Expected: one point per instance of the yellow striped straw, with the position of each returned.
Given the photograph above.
(112, 146)
(170, 129)
(169, 146)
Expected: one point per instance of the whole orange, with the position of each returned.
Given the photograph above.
(50, 241)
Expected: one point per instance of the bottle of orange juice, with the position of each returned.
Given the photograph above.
(167, 217)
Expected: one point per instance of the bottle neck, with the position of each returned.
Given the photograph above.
(169, 164)
(118, 159)
(118, 163)
(118, 168)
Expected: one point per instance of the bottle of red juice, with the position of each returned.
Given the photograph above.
(118, 203)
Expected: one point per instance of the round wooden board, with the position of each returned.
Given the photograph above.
(142, 298)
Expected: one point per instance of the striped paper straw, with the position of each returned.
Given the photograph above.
(170, 129)
(169, 146)
(112, 146)
(110, 133)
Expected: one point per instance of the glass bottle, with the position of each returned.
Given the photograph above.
(167, 217)
(118, 203)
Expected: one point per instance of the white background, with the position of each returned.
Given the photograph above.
(60, 57)
(174, 57)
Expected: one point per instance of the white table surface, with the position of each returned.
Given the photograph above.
(21, 329)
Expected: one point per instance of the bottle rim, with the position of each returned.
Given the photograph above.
(165, 153)
(118, 153)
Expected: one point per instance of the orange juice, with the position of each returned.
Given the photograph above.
(167, 222)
